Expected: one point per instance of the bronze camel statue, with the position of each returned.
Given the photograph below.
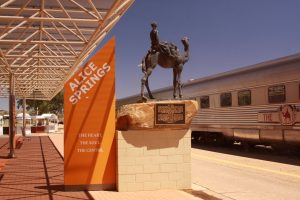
(165, 60)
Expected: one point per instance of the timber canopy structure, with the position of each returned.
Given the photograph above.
(43, 42)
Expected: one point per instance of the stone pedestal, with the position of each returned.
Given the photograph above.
(154, 153)
(153, 160)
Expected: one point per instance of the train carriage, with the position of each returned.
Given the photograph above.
(258, 104)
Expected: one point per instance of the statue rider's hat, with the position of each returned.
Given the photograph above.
(153, 24)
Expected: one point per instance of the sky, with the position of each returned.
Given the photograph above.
(224, 35)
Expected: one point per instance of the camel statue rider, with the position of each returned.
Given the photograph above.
(169, 49)
(154, 38)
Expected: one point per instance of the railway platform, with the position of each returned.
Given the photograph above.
(37, 173)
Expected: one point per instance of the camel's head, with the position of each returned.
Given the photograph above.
(185, 42)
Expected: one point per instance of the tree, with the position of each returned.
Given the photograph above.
(3, 112)
(55, 105)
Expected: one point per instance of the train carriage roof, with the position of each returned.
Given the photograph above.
(247, 69)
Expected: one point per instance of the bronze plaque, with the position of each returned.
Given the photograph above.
(168, 114)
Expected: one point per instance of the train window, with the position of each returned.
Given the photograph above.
(276, 94)
(204, 102)
(226, 99)
(244, 98)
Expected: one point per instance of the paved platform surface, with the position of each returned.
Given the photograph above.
(37, 173)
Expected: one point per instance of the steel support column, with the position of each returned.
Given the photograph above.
(24, 117)
(12, 116)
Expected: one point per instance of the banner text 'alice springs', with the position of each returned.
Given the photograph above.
(86, 80)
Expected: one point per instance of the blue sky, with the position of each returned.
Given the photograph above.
(224, 35)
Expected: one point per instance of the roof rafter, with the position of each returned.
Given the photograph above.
(46, 19)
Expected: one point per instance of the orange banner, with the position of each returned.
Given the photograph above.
(89, 120)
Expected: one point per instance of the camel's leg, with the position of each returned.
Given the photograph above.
(149, 72)
(150, 63)
(148, 89)
(174, 83)
(144, 81)
(145, 77)
(179, 85)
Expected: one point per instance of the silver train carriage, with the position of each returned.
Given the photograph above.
(258, 104)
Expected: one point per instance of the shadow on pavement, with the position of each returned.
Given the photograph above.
(201, 194)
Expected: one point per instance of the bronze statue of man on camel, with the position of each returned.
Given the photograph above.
(166, 55)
